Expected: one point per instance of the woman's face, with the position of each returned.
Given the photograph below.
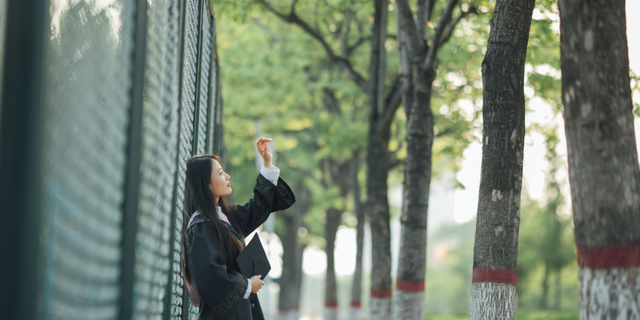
(219, 184)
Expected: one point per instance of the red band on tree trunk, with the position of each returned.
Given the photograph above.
(618, 256)
(381, 293)
(356, 304)
(411, 286)
(331, 304)
(494, 275)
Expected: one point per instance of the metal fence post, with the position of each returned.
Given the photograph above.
(218, 134)
(174, 212)
(213, 92)
(196, 117)
(20, 156)
(194, 134)
(130, 205)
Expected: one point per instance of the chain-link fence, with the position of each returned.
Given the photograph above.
(113, 98)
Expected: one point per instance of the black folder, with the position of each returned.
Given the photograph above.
(253, 260)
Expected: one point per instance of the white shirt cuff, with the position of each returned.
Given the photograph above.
(271, 174)
(246, 294)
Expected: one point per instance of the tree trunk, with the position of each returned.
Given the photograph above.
(339, 173)
(496, 243)
(416, 98)
(331, 290)
(378, 208)
(558, 300)
(603, 162)
(291, 279)
(356, 287)
(377, 173)
(545, 288)
(417, 69)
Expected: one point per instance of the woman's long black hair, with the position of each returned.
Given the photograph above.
(198, 197)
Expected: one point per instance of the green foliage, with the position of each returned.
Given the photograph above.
(543, 58)
(635, 91)
(295, 71)
(450, 262)
(530, 297)
(543, 55)
(276, 81)
(546, 245)
(456, 96)
(457, 90)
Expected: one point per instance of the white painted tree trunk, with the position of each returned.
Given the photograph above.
(492, 301)
(610, 294)
(408, 305)
(379, 308)
(355, 313)
(330, 313)
(289, 315)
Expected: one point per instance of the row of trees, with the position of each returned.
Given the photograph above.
(337, 107)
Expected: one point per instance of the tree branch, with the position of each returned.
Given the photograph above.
(266, 28)
(392, 103)
(358, 43)
(393, 160)
(360, 26)
(443, 133)
(344, 63)
(346, 22)
(430, 9)
(421, 18)
(452, 24)
(430, 59)
(415, 45)
(330, 102)
(427, 17)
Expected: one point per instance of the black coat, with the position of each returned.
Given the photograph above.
(221, 285)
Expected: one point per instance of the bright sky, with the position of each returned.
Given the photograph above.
(465, 201)
(57, 6)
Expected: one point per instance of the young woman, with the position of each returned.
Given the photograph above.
(213, 235)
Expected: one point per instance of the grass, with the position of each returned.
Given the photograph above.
(446, 317)
(545, 315)
(520, 315)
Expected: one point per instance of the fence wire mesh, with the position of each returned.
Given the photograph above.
(185, 149)
(84, 142)
(89, 81)
(157, 170)
(203, 124)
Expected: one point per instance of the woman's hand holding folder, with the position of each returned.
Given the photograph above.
(256, 283)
